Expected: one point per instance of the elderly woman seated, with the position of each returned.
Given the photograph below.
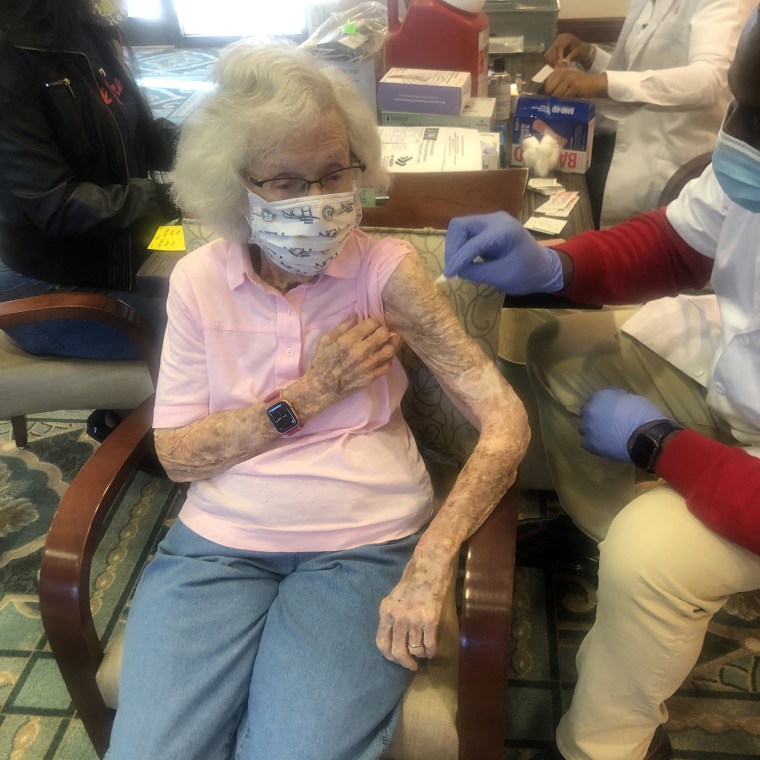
(286, 608)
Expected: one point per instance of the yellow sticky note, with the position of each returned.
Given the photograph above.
(168, 238)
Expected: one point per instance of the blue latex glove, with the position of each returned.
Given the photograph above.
(610, 417)
(511, 259)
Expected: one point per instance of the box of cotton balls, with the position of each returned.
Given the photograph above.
(552, 134)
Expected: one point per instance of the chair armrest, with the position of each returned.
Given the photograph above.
(64, 585)
(484, 642)
(92, 306)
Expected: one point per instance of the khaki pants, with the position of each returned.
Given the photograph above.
(663, 574)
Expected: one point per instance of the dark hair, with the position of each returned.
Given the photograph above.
(63, 23)
(60, 18)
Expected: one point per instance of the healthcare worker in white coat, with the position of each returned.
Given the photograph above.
(662, 93)
(686, 411)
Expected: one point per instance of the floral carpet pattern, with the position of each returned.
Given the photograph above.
(37, 720)
(713, 716)
(716, 712)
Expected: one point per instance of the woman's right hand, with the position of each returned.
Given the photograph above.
(567, 49)
(351, 356)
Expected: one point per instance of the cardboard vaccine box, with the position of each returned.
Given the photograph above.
(424, 91)
(570, 122)
(477, 114)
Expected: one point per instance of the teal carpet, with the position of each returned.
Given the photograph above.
(713, 716)
(37, 720)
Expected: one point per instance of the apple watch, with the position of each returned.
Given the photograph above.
(644, 447)
(281, 414)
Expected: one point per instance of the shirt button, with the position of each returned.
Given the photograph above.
(720, 388)
(622, 147)
(699, 373)
(289, 352)
(744, 340)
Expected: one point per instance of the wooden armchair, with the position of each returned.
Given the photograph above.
(456, 705)
(469, 677)
(31, 383)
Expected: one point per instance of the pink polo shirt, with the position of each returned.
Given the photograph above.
(352, 475)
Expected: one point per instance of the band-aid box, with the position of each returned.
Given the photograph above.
(569, 122)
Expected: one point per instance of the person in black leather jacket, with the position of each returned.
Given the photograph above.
(77, 147)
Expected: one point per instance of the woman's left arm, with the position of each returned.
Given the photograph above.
(416, 310)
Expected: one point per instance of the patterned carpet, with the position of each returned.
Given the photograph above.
(714, 715)
(36, 716)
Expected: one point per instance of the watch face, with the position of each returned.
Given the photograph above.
(646, 446)
(643, 451)
(282, 416)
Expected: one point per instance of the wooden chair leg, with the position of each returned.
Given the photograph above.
(18, 426)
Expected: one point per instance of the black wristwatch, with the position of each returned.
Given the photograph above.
(282, 415)
(644, 447)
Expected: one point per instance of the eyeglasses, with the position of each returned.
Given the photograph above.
(338, 181)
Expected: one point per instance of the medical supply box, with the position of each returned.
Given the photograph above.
(570, 122)
(364, 75)
(477, 114)
(533, 20)
(424, 91)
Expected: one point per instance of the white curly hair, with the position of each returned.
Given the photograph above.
(265, 92)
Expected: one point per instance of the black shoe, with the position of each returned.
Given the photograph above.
(659, 749)
(556, 544)
(101, 423)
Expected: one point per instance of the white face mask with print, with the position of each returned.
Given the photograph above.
(303, 235)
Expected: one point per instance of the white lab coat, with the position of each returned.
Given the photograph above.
(667, 98)
(714, 339)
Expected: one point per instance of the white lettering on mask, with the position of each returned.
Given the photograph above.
(303, 235)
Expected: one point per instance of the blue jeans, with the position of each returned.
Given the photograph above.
(79, 338)
(258, 656)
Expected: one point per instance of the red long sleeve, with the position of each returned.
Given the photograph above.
(633, 262)
(721, 485)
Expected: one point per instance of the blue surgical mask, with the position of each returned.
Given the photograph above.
(737, 169)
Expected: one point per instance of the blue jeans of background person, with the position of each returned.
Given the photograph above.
(278, 645)
(79, 338)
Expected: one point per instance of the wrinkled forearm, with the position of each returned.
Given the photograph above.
(488, 473)
(423, 317)
(211, 445)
